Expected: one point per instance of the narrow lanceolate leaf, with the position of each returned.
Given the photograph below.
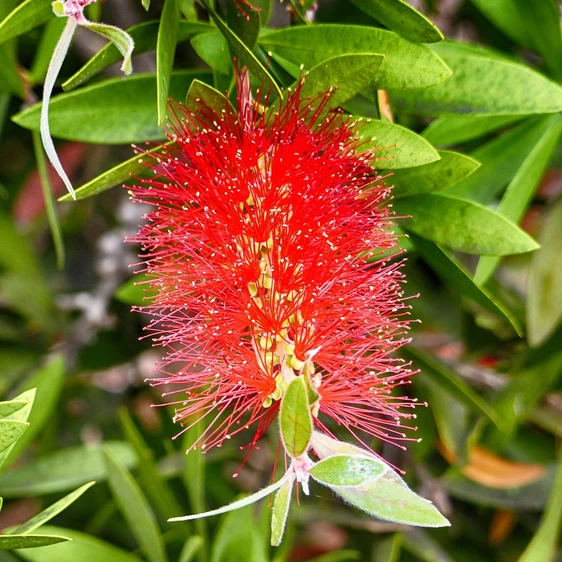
(295, 419)
(10, 80)
(389, 498)
(244, 23)
(83, 115)
(520, 191)
(402, 18)
(19, 415)
(452, 271)
(144, 36)
(503, 87)
(26, 16)
(449, 170)
(10, 542)
(10, 432)
(165, 51)
(544, 302)
(237, 504)
(51, 511)
(9, 407)
(543, 544)
(463, 225)
(121, 39)
(395, 146)
(135, 508)
(243, 54)
(280, 510)
(348, 470)
(135, 166)
(191, 547)
(406, 65)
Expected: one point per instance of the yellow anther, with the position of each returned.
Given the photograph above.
(296, 364)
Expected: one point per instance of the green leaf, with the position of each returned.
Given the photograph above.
(165, 51)
(396, 146)
(402, 18)
(325, 447)
(128, 104)
(295, 419)
(533, 24)
(212, 48)
(201, 97)
(249, 500)
(151, 481)
(522, 188)
(544, 289)
(62, 470)
(348, 470)
(133, 167)
(452, 383)
(449, 170)
(135, 291)
(145, 37)
(347, 74)
(406, 65)
(191, 547)
(29, 541)
(80, 547)
(134, 507)
(503, 87)
(451, 270)
(26, 16)
(51, 511)
(280, 510)
(244, 56)
(500, 159)
(9, 407)
(462, 225)
(20, 415)
(390, 499)
(447, 130)
(10, 432)
(10, 80)
(244, 23)
(543, 544)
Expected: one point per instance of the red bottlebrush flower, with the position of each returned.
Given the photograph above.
(265, 252)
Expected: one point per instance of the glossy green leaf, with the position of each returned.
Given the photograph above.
(402, 18)
(447, 130)
(396, 146)
(128, 104)
(449, 170)
(133, 167)
(62, 470)
(134, 291)
(347, 74)
(503, 87)
(533, 24)
(29, 541)
(348, 470)
(500, 159)
(245, 23)
(295, 419)
(406, 65)
(190, 549)
(544, 544)
(52, 511)
(9, 407)
(10, 432)
(244, 56)
(165, 51)
(390, 499)
(20, 415)
(238, 504)
(544, 301)
(156, 489)
(26, 16)
(201, 96)
(80, 547)
(520, 191)
(280, 510)
(145, 37)
(48, 383)
(446, 378)
(452, 271)
(462, 225)
(134, 508)
(212, 48)
(325, 446)
(10, 80)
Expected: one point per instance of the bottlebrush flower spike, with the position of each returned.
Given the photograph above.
(265, 252)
